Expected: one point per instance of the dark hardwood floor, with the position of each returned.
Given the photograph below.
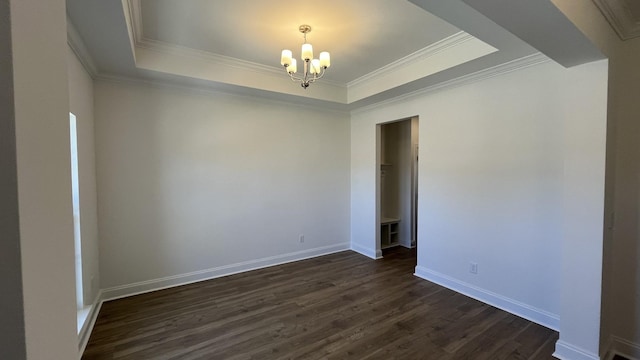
(339, 306)
(619, 357)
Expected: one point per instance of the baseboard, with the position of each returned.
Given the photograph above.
(515, 307)
(566, 351)
(87, 328)
(622, 347)
(183, 279)
(368, 252)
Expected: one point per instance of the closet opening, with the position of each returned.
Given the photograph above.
(397, 191)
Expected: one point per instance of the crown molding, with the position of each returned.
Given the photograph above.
(439, 46)
(131, 9)
(622, 20)
(283, 99)
(133, 17)
(173, 49)
(80, 49)
(510, 66)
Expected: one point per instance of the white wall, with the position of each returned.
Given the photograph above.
(44, 177)
(211, 183)
(621, 274)
(583, 204)
(491, 182)
(81, 104)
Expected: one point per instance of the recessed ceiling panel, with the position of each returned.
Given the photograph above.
(361, 36)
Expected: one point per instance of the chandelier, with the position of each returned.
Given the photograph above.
(313, 68)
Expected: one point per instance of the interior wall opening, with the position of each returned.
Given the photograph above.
(397, 191)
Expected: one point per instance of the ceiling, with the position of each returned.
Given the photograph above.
(380, 49)
(256, 31)
(623, 15)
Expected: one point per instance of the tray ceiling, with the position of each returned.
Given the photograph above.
(380, 49)
(360, 38)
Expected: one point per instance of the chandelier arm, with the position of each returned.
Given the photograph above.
(306, 79)
(317, 77)
(293, 77)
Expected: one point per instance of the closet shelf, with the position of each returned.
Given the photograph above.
(389, 228)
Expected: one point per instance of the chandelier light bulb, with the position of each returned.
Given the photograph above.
(315, 66)
(293, 68)
(307, 52)
(286, 57)
(325, 59)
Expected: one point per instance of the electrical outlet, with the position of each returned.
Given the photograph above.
(301, 238)
(473, 268)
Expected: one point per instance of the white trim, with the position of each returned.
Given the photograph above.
(173, 49)
(453, 40)
(609, 352)
(368, 252)
(622, 347)
(134, 19)
(141, 287)
(87, 327)
(131, 10)
(566, 351)
(505, 68)
(80, 49)
(515, 307)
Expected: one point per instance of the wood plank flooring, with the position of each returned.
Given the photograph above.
(339, 306)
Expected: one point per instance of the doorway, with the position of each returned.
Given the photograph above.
(397, 195)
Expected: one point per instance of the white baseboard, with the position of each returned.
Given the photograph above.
(515, 307)
(207, 274)
(622, 347)
(566, 351)
(368, 252)
(87, 327)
